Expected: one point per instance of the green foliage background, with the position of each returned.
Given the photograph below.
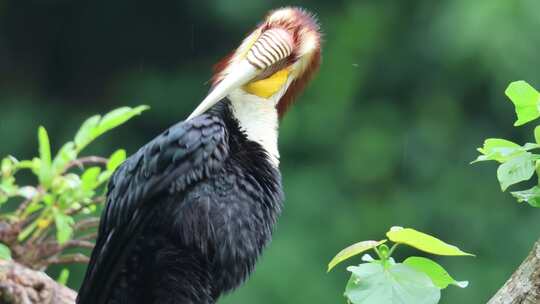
(383, 136)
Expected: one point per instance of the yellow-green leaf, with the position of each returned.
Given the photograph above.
(531, 196)
(86, 132)
(63, 277)
(64, 226)
(89, 178)
(65, 155)
(5, 252)
(118, 117)
(526, 101)
(537, 134)
(96, 125)
(353, 250)
(440, 277)
(27, 231)
(499, 150)
(45, 156)
(423, 241)
(116, 159)
(44, 146)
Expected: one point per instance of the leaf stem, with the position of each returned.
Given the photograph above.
(392, 249)
(381, 257)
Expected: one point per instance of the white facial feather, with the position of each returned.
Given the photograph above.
(258, 118)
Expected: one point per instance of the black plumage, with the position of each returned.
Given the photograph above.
(187, 216)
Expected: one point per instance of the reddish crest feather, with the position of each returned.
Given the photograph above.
(298, 85)
(303, 19)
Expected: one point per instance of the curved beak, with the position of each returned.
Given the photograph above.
(240, 75)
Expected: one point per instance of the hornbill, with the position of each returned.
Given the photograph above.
(188, 215)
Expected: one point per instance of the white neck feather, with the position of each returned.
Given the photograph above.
(258, 118)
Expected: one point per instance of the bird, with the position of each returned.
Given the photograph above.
(188, 215)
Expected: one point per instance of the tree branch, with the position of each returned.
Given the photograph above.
(20, 285)
(523, 287)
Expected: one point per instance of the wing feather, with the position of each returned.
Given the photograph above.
(184, 154)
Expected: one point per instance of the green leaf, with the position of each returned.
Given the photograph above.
(45, 156)
(86, 132)
(65, 155)
(44, 146)
(96, 126)
(27, 231)
(526, 101)
(515, 170)
(531, 196)
(5, 252)
(353, 250)
(501, 150)
(423, 241)
(537, 134)
(33, 207)
(8, 186)
(89, 178)
(104, 176)
(64, 223)
(71, 181)
(48, 199)
(116, 159)
(371, 283)
(8, 165)
(63, 277)
(119, 116)
(440, 277)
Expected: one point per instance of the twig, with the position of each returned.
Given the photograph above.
(88, 237)
(43, 237)
(8, 232)
(68, 259)
(97, 200)
(23, 205)
(52, 249)
(78, 243)
(86, 224)
(86, 160)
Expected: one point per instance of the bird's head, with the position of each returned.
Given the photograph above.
(273, 63)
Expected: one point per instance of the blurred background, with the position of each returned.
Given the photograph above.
(383, 136)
